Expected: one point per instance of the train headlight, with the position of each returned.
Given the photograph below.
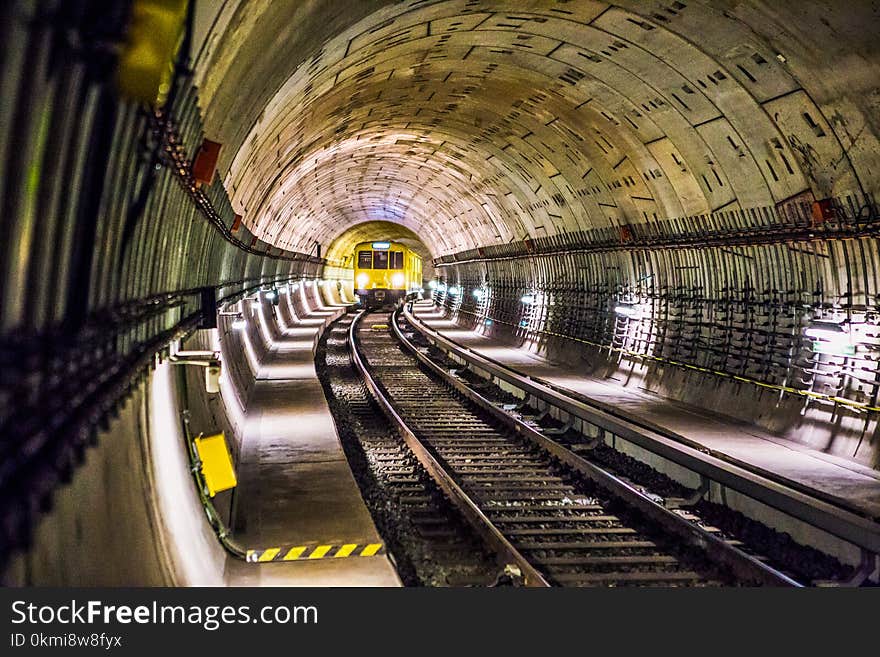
(362, 280)
(397, 280)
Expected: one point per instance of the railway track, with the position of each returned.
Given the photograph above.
(554, 517)
(430, 542)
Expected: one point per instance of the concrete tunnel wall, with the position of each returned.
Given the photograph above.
(691, 339)
(594, 153)
(107, 258)
(480, 123)
(569, 150)
(131, 515)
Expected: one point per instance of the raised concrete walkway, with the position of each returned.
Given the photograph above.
(295, 485)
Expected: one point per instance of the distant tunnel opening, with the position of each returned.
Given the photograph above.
(340, 253)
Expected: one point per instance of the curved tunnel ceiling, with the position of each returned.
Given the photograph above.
(481, 122)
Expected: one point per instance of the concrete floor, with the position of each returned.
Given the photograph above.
(852, 485)
(295, 486)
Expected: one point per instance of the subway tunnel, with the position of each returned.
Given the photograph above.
(665, 207)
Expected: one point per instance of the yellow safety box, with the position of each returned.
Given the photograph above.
(146, 63)
(216, 463)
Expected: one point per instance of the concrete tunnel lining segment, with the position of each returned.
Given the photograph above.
(530, 131)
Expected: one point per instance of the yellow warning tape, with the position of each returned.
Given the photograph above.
(726, 375)
(318, 551)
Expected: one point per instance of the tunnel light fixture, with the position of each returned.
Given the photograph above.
(282, 288)
(308, 284)
(212, 377)
(831, 337)
(381, 246)
(238, 323)
(454, 291)
(432, 285)
(834, 349)
(441, 288)
(826, 330)
(629, 310)
(479, 294)
(271, 295)
(210, 360)
(529, 299)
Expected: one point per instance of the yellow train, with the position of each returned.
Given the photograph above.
(386, 273)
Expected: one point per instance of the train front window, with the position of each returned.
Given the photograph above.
(396, 260)
(380, 259)
(365, 259)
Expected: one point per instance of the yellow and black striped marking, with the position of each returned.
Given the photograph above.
(318, 551)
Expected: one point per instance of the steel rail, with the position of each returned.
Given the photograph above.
(807, 506)
(472, 512)
(744, 566)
